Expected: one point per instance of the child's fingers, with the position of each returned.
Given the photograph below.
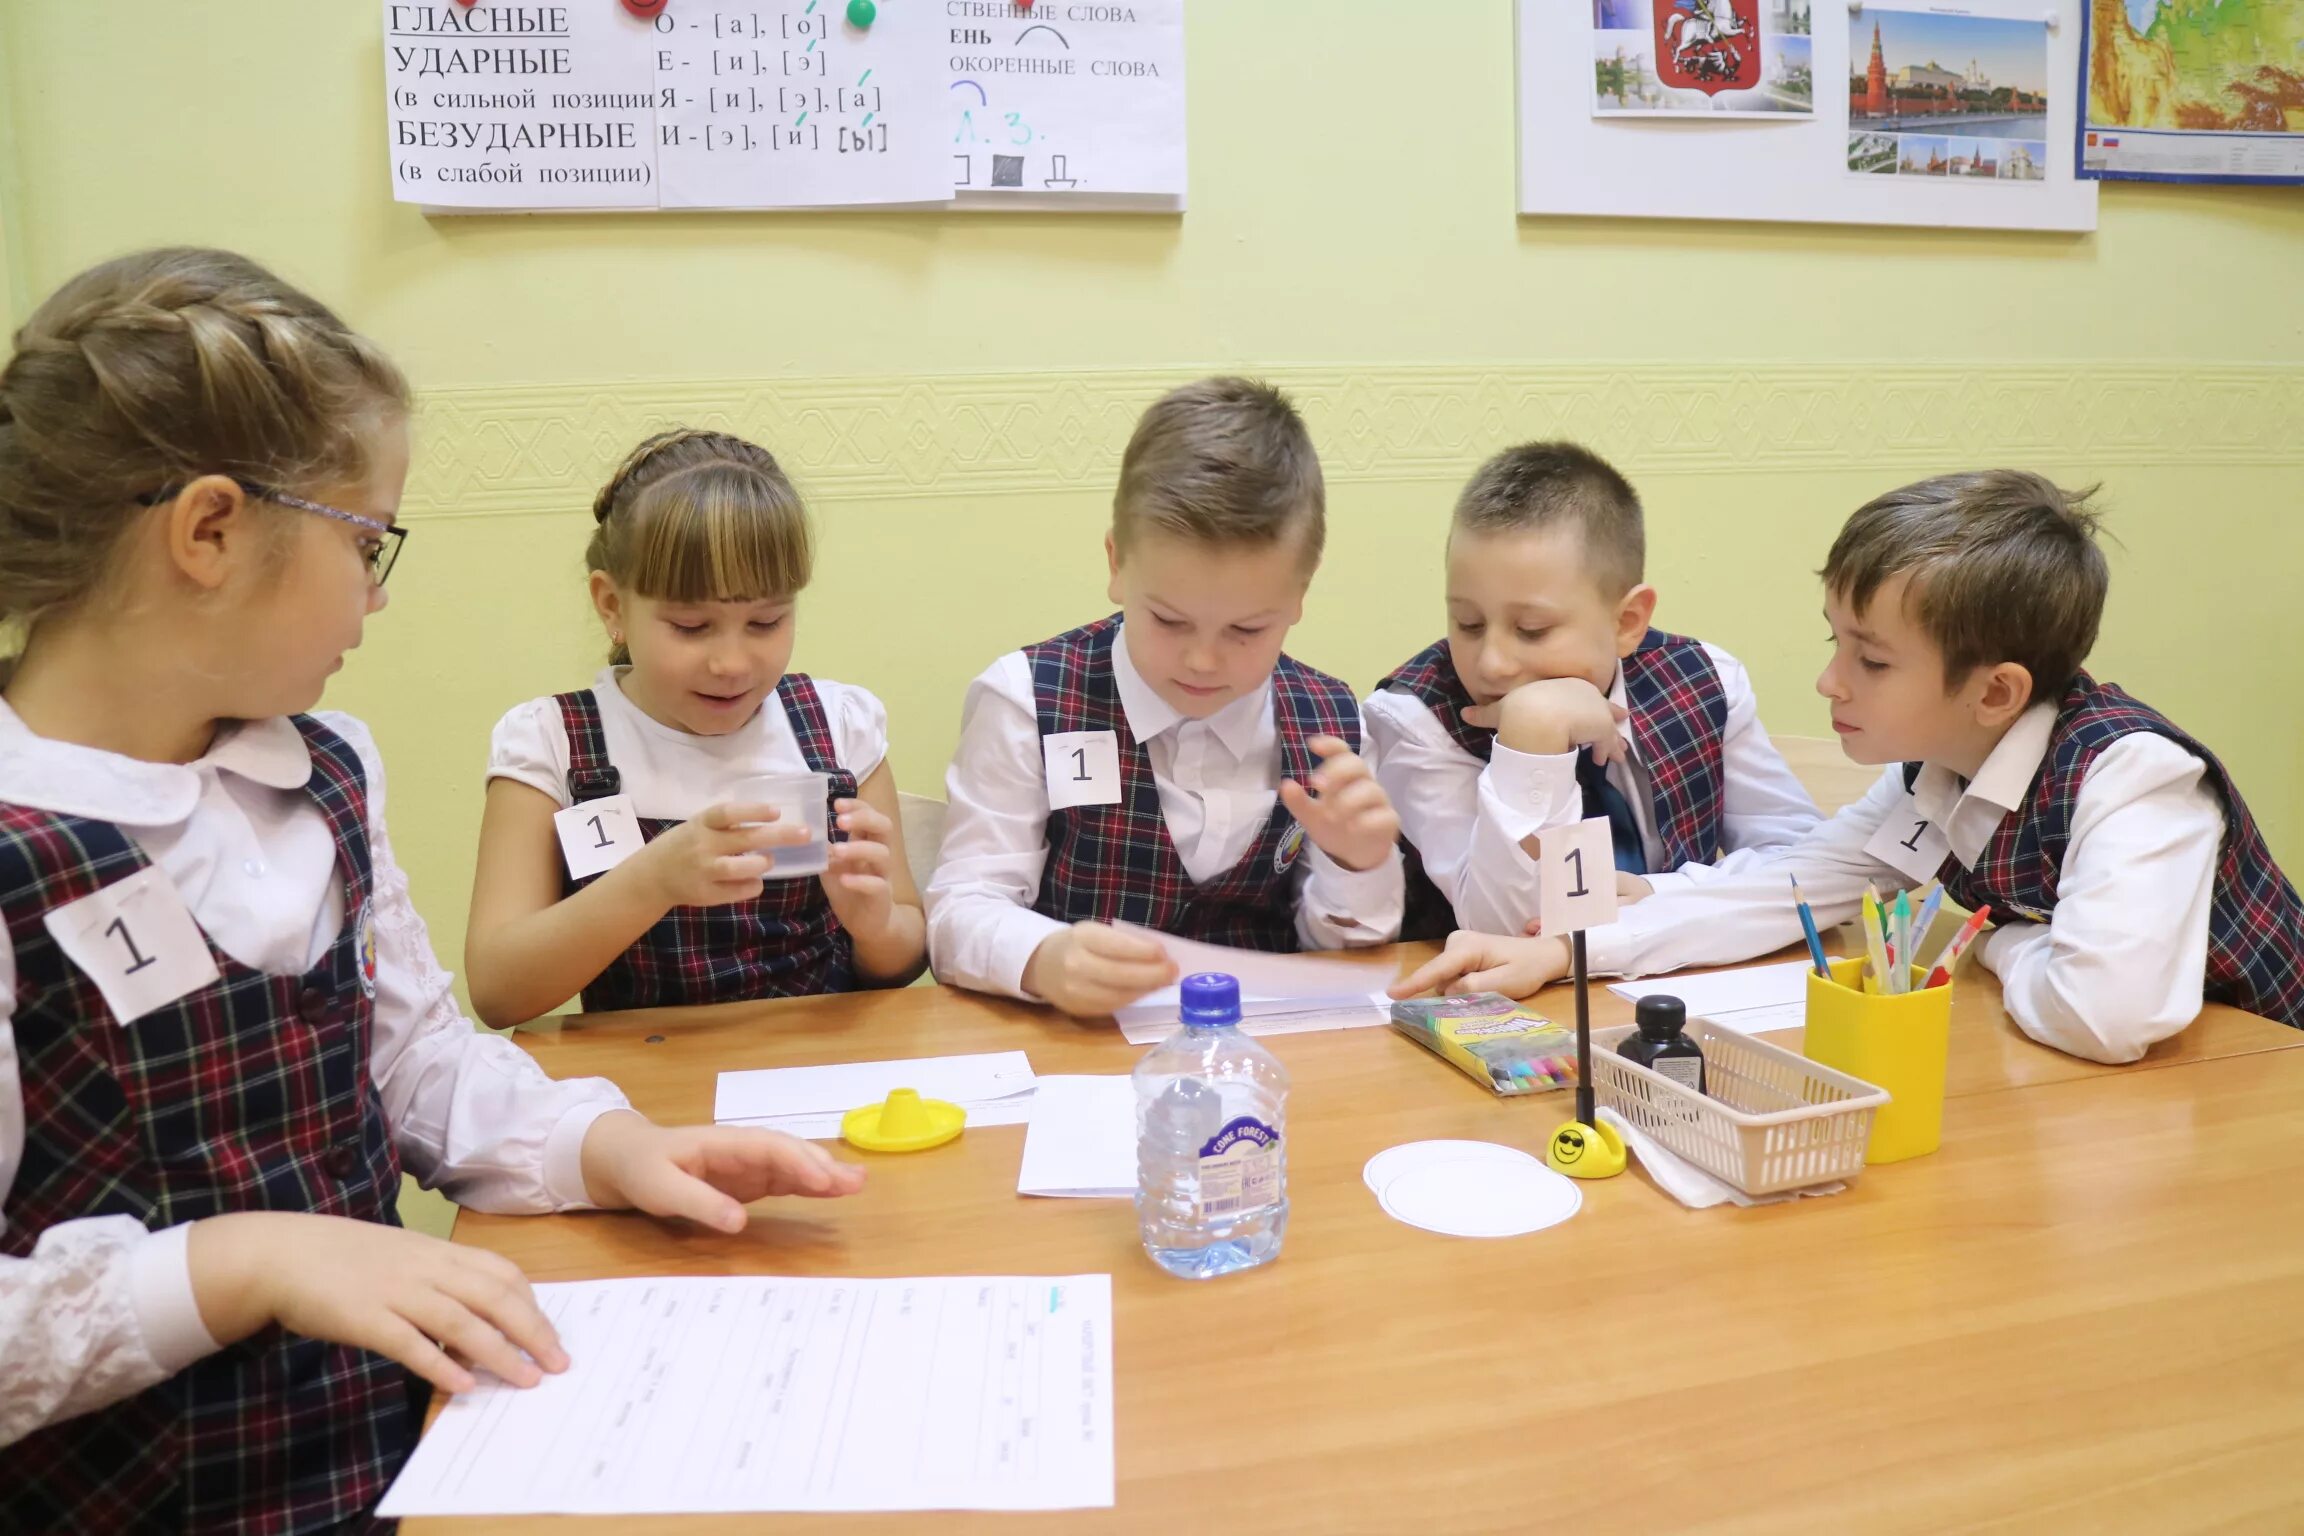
(401, 1340)
(1299, 801)
(661, 1187)
(1432, 975)
(749, 1163)
(763, 836)
(501, 1294)
(1126, 980)
(445, 1317)
(1110, 943)
(1497, 979)
(738, 868)
(860, 818)
(808, 1169)
(1482, 716)
(870, 858)
(1355, 799)
(1341, 772)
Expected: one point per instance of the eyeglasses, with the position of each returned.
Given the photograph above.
(382, 549)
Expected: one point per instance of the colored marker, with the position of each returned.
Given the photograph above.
(1875, 937)
(1927, 917)
(1902, 964)
(1942, 975)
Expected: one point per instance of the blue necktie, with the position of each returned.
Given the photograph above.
(1602, 798)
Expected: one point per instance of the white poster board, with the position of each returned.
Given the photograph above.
(513, 106)
(1575, 160)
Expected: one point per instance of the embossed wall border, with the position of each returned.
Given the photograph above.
(533, 448)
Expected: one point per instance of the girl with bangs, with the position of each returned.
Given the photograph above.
(697, 563)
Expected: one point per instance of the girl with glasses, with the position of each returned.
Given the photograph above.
(223, 1033)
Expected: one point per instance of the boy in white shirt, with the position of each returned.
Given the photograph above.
(1167, 766)
(2127, 878)
(1551, 698)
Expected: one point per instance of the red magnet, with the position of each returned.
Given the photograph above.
(646, 10)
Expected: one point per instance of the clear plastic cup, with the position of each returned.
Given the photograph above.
(800, 801)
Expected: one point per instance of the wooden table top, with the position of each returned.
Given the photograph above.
(2083, 1313)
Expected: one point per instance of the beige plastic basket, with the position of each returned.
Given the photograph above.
(1769, 1119)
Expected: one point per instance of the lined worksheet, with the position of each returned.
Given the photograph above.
(695, 1395)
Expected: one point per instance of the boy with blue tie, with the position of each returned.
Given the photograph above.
(1552, 697)
(2127, 879)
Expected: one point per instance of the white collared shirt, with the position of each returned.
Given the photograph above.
(1467, 819)
(674, 775)
(1217, 778)
(103, 1309)
(2123, 962)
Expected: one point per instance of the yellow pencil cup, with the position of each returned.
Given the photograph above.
(1895, 1041)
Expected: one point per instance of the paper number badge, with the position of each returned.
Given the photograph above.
(1910, 843)
(137, 941)
(1578, 870)
(1083, 768)
(598, 835)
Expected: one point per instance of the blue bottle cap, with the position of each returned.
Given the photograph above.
(1209, 998)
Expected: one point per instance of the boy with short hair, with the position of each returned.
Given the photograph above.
(1167, 766)
(2127, 880)
(1552, 698)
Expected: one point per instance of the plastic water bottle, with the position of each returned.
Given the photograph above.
(1211, 1153)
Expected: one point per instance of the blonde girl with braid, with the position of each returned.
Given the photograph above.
(223, 1034)
(699, 551)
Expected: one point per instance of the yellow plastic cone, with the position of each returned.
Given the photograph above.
(904, 1122)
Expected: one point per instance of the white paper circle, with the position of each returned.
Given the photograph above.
(1482, 1198)
(1392, 1162)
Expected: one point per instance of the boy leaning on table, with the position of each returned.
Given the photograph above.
(2129, 883)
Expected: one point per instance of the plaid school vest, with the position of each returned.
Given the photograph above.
(2255, 921)
(251, 1094)
(783, 943)
(1679, 719)
(1116, 863)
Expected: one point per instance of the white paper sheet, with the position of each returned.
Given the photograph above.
(1081, 1140)
(722, 1394)
(1154, 1019)
(1050, 107)
(1279, 994)
(1749, 1001)
(519, 106)
(784, 104)
(994, 1087)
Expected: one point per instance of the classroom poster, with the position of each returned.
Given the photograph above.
(1701, 58)
(1078, 100)
(2194, 90)
(1941, 93)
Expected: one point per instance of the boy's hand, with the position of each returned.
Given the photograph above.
(437, 1308)
(1352, 821)
(1486, 962)
(718, 857)
(1554, 715)
(856, 872)
(1091, 969)
(707, 1173)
